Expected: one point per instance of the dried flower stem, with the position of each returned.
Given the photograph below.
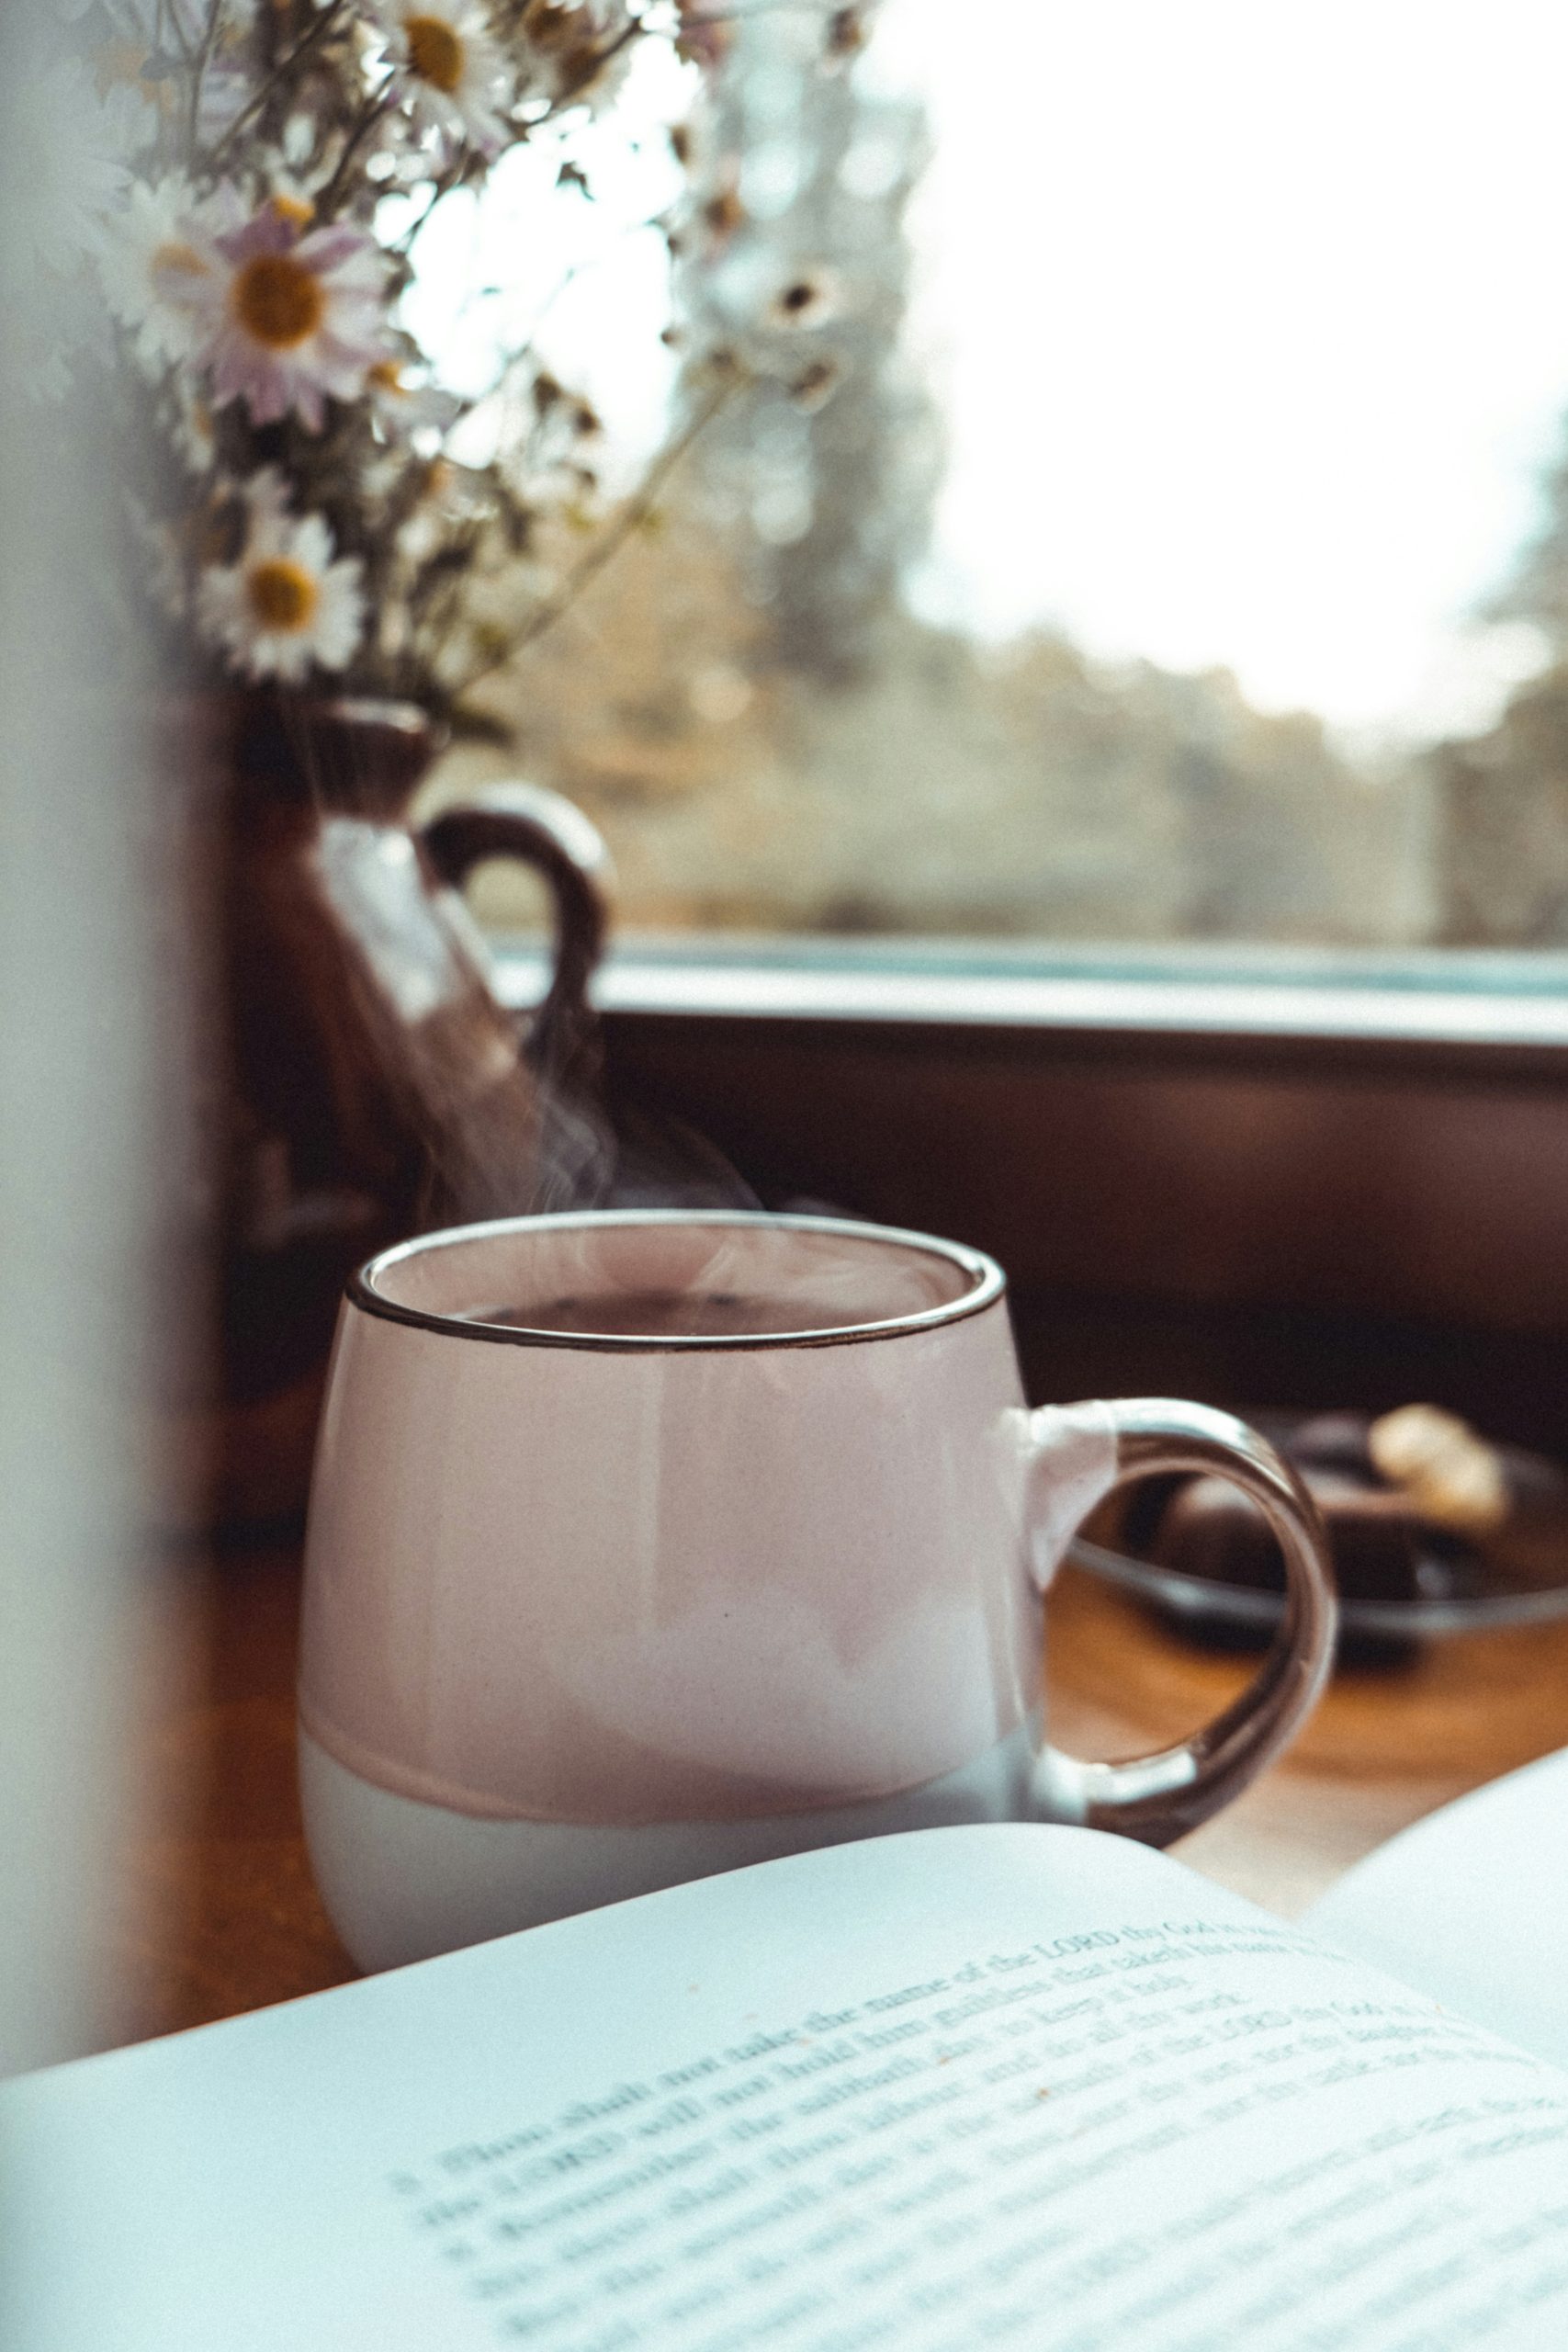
(637, 510)
(590, 71)
(200, 64)
(370, 115)
(275, 79)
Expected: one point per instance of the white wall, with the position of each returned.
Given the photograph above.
(76, 1064)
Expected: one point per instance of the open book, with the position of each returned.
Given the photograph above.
(972, 2086)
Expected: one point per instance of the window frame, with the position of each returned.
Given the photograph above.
(1257, 1189)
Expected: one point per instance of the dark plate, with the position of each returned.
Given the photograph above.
(1451, 1596)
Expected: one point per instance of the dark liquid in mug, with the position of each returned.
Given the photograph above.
(677, 1314)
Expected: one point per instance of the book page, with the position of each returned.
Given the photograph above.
(966, 2087)
(1472, 1906)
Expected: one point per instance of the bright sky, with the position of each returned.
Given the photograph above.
(1248, 318)
(1252, 321)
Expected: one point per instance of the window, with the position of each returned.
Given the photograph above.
(1161, 540)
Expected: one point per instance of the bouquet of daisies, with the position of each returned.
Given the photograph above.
(307, 519)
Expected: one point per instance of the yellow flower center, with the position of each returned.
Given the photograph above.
(176, 260)
(295, 209)
(283, 595)
(435, 52)
(278, 300)
(554, 24)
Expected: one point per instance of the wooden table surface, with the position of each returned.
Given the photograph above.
(219, 1914)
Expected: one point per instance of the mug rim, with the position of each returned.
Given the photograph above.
(987, 1285)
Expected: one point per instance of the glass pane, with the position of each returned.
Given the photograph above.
(1160, 538)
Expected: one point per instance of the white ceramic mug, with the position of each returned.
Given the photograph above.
(588, 1613)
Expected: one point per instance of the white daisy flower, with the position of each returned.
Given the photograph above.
(806, 299)
(154, 257)
(450, 70)
(290, 315)
(407, 409)
(287, 604)
(268, 499)
(191, 427)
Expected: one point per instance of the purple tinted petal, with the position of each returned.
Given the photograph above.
(265, 232)
(343, 367)
(327, 249)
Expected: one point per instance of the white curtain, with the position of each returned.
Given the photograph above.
(82, 1083)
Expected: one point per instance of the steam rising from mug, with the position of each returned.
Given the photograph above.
(503, 1132)
(562, 1150)
(503, 1119)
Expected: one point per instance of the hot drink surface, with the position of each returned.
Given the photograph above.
(677, 1314)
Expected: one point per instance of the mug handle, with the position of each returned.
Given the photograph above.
(1079, 1454)
(551, 834)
